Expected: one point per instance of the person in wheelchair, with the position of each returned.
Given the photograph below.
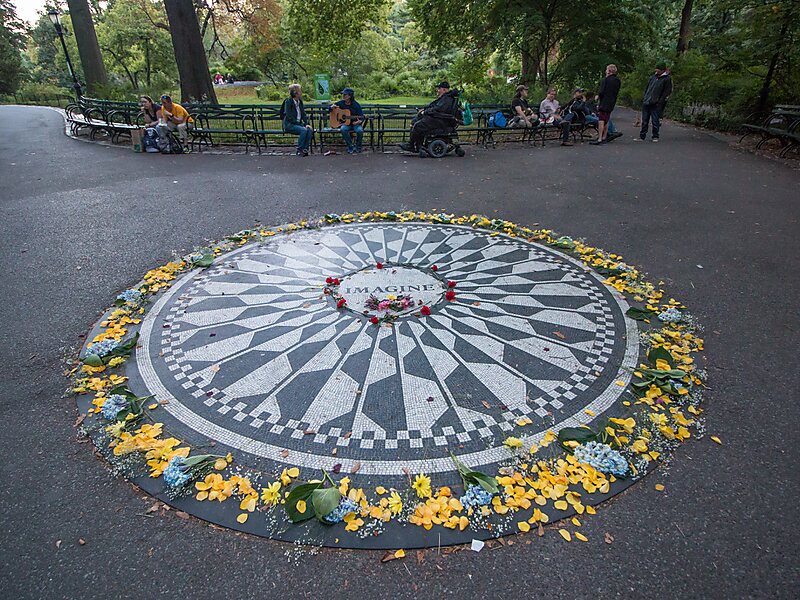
(438, 115)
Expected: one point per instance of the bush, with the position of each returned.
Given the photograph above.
(270, 92)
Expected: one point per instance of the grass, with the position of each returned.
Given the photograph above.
(247, 95)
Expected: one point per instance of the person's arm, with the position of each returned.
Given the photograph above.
(602, 90)
(666, 92)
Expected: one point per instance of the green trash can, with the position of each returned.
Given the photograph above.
(322, 86)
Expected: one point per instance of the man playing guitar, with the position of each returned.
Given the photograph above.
(348, 116)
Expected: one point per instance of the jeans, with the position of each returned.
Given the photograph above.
(611, 128)
(650, 111)
(591, 120)
(566, 122)
(179, 127)
(348, 138)
(303, 135)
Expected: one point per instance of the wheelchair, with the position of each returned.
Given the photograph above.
(441, 142)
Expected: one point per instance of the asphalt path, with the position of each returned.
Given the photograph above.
(79, 222)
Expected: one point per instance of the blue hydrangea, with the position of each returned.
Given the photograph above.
(671, 315)
(337, 514)
(476, 496)
(176, 474)
(102, 348)
(602, 457)
(130, 296)
(113, 405)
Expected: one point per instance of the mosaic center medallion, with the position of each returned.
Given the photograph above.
(406, 287)
(253, 354)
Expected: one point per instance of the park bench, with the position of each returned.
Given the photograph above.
(782, 124)
(214, 125)
(394, 124)
(269, 131)
(333, 135)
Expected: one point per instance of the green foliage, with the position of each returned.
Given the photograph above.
(12, 41)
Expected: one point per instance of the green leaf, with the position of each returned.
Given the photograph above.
(577, 434)
(196, 460)
(125, 347)
(639, 314)
(204, 261)
(300, 492)
(660, 353)
(485, 481)
(325, 500)
(93, 360)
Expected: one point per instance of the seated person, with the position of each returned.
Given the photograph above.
(521, 113)
(295, 119)
(356, 125)
(173, 117)
(439, 114)
(590, 103)
(549, 107)
(573, 111)
(149, 111)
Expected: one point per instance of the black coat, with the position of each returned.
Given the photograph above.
(608, 92)
(444, 107)
(657, 91)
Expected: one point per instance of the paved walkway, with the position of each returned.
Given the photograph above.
(80, 222)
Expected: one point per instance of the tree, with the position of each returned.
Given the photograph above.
(685, 28)
(89, 50)
(190, 54)
(12, 41)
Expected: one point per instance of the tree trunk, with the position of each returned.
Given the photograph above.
(89, 50)
(187, 43)
(763, 97)
(686, 24)
(530, 68)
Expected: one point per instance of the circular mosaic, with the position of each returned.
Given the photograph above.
(252, 353)
(358, 380)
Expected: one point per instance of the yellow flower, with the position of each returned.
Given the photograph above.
(512, 443)
(116, 361)
(422, 485)
(395, 503)
(116, 429)
(272, 493)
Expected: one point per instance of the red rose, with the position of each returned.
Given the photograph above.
(434, 268)
(336, 281)
(374, 320)
(425, 310)
(379, 265)
(450, 295)
(341, 303)
(329, 280)
(451, 284)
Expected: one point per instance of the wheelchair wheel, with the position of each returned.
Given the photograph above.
(437, 148)
(460, 151)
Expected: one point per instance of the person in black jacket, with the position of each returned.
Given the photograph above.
(658, 90)
(607, 96)
(439, 114)
(295, 120)
(574, 111)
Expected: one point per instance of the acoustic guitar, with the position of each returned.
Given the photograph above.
(341, 116)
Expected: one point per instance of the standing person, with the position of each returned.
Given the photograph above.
(295, 120)
(439, 114)
(654, 101)
(356, 126)
(521, 114)
(607, 96)
(173, 117)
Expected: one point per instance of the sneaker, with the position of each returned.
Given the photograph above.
(304, 152)
(357, 151)
(612, 136)
(299, 152)
(638, 139)
(597, 142)
(350, 150)
(654, 139)
(407, 147)
(566, 144)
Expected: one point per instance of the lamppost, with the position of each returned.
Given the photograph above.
(53, 14)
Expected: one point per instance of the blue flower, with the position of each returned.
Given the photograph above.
(130, 296)
(671, 315)
(113, 405)
(337, 514)
(602, 457)
(102, 348)
(176, 474)
(476, 496)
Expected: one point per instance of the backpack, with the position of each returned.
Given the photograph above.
(150, 140)
(497, 120)
(466, 111)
